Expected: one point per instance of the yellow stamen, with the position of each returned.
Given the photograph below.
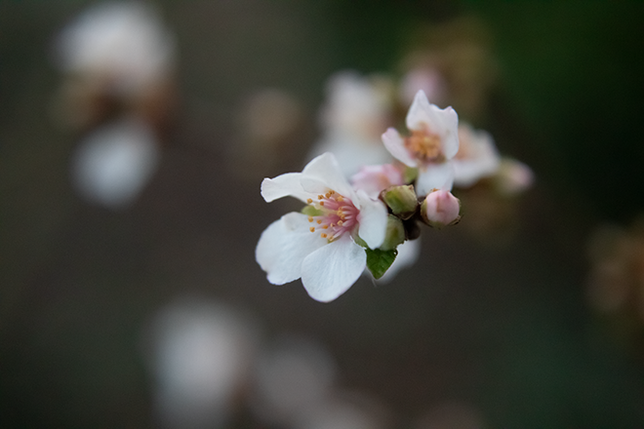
(339, 199)
(308, 200)
(325, 227)
(321, 203)
(310, 218)
(319, 221)
(312, 229)
(320, 197)
(323, 235)
(340, 223)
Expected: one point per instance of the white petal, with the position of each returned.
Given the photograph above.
(329, 271)
(425, 116)
(435, 176)
(283, 246)
(449, 135)
(284, 185)
(325, 171)
(372, 220)
(420, 114)
(396, 147)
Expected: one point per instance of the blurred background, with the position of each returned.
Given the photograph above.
(134, 137)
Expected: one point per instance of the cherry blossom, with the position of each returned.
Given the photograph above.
(320, 246)
(430, 147)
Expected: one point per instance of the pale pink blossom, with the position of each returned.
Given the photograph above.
(374, 178)
(430, 147)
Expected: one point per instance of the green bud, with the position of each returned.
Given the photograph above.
(395, 234)
(401, 200)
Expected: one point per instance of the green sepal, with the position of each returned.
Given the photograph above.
(410, 174)
(379, 261)
(401, 200)
(359, 241)
(312, 211)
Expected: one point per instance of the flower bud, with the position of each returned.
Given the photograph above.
(401, 200)
(440, 208)
(395, 234)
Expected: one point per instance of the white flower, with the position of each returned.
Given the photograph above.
(477, 156)
(430, 147)
(355, 113)
(320, 249)
(123, 43)
(115, 162)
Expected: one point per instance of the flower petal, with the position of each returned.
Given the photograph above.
(425, 116)
(420, 114)
(331, 270)
(283, 246)
(372, 220)
(283, 185)
(435, 176)
(324, 172)
(396, 147)
(449, 136)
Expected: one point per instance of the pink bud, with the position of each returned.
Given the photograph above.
(440, 208)
(374, 178)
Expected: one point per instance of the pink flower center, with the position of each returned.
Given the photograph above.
(339, 215)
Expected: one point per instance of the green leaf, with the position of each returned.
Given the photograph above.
(379, 261)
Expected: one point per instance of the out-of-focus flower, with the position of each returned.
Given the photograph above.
(292, 375)
(116, 57)
(428, 79)
(319, 247)
(431, 146)
(114, 163)
(124, 45)
(374, 178)
(616, 280)
(460, 53)
(440, 208)
(356, 112)
(477, 156)
(513, 177)
(201, 358)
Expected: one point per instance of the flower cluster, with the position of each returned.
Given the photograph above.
(372, 184)
(344, 229)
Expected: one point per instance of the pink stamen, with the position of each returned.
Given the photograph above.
(339, 215)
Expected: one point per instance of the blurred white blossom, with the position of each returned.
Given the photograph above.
(114, 162)
(202, 355)
(356, 111)
(123, 45)
(292, 375)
